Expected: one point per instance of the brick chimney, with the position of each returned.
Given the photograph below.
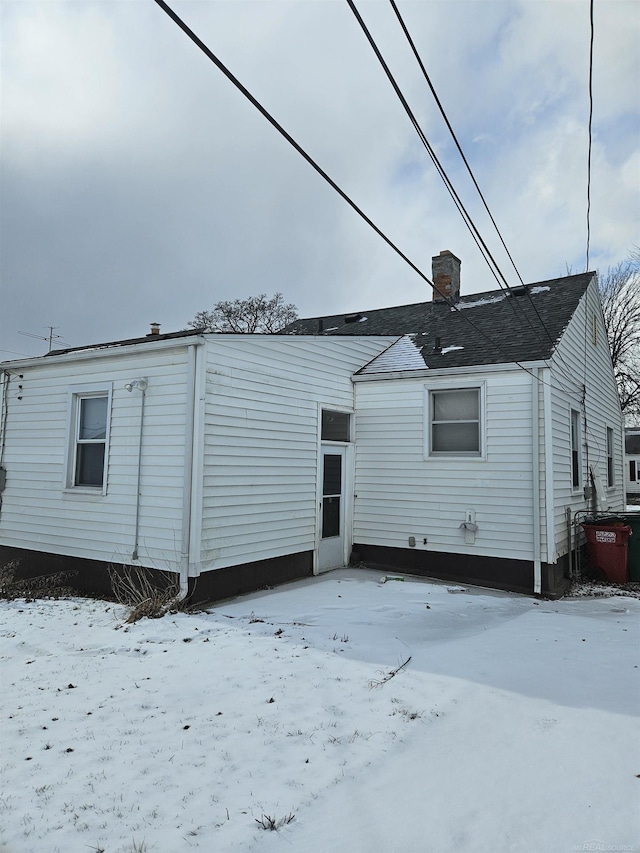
(445, 272)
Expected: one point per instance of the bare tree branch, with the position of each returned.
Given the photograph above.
(254, 315)
(620, 296)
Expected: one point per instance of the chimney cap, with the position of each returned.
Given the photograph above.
(447, 252)
(155, 329)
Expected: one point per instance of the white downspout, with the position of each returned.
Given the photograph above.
(185, 538)
(550, 525)
(535, 445)
(141, 384)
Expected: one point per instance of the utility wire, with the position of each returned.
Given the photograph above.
(590, 133)
(233, 79)
(445, 178)
(451, 131)
(461, 152)
(465, 215)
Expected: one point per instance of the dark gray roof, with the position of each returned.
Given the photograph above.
(488, 328)
(185, 333)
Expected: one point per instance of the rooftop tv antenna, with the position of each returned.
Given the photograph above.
(50, 338)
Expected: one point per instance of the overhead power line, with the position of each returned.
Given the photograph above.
(451, 131)
(484, 250)
(586, 269)
(233, 79)
(482, 246)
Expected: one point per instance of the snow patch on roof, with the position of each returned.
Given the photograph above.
(540, 289)
(445, 350)
(403, 355)
(363, 319)
(486, 301)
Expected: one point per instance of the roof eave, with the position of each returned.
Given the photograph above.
(432, 373)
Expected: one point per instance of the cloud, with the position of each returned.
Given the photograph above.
(139, 185)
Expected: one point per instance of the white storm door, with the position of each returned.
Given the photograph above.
(331, 551)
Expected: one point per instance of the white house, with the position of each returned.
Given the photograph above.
(632, 462)
(484, 430)
(455, 438)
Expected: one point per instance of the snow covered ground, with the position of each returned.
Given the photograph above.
(513, 725)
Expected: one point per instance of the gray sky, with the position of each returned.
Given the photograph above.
(138, 185)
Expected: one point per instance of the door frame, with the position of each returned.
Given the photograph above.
(347, 488)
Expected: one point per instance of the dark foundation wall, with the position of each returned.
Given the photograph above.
(493, 572)
(88, 576)
(236, 580)
(92, 576)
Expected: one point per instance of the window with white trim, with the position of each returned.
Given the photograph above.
(611, 481)
(89, 416)
(576, 468)
(455, 427)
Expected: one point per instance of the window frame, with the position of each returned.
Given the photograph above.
(431, 391)
(76, 394)
(611, 468)
(575, 450)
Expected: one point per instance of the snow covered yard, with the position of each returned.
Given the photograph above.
(513, 726)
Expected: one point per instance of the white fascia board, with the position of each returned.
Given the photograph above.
(101, 352)
(430, 373)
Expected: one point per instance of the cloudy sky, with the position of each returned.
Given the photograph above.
(138, 185)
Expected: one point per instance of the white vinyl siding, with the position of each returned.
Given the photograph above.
(400, 493)
(575, 367)
(40, 513)
(264, 396)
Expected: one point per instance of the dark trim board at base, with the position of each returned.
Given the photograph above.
(493, 572)
(248, 577)
(92, 576)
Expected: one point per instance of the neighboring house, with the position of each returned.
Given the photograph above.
(632, 462)
(405, 437)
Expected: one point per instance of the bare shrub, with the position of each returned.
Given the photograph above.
(43, 586)
(145, 592)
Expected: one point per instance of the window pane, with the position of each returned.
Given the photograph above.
(610, 469)
(330, 517)
(458, 438)
(332, 475)
(335, 426)
(632, 470)
(456, 405)
(575, 451)
(90, 464)
(93, 418)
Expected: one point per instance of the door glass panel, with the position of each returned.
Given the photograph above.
(331, 516)
(331, 494)
(332, 476)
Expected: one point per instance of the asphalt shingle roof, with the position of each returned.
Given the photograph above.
(487, 328)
